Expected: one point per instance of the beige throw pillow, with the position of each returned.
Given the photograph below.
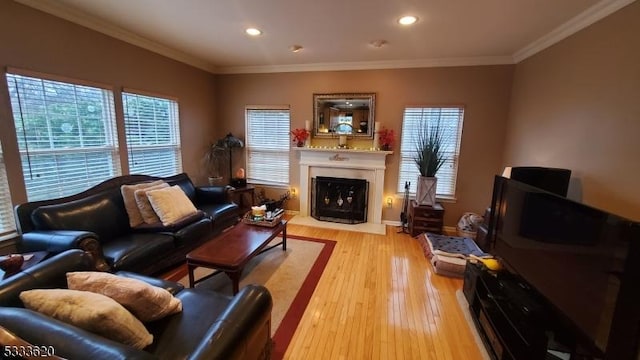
(145, 301)
(128, 195)
(92, 312)
(148, 214)
(171, 204)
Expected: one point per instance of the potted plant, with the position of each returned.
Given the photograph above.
(299, 136)
(214, 158)
(430, 156)
(386, 138)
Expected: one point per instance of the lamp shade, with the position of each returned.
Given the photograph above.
(230, 141)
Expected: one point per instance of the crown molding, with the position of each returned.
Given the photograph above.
(83, 19)
(577, 23)
(368, 65)
(591, 15)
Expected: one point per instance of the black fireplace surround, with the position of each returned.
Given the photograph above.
(339, 200)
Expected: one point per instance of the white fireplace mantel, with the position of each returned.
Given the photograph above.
(344, 163)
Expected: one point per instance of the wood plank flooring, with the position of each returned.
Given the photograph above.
(379, 298)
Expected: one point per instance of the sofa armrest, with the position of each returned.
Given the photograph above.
(242, 331)
(171, 286)
(213, 194)
(66, 340)
(50, 273)
(57, 241)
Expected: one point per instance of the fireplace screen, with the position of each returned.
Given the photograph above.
(339, 200)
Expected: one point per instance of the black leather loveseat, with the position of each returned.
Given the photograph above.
(210, 325)
(96, 221)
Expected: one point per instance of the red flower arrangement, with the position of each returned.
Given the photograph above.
(387, 138)
(300, 136)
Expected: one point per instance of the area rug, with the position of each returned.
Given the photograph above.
(290, 276)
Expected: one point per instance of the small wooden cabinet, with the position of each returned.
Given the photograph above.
(244, 197)
(424, 218)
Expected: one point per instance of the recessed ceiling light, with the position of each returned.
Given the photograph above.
(407, 20)
(253, 31)
(296, 48)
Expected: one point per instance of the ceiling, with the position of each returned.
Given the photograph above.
(335, 34)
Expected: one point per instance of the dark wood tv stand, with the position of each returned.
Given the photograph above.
(514, 322)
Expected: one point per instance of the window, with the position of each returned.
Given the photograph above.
(66, 135)
(451, 121)
(7, 224)
(267, 146)
(153, 135)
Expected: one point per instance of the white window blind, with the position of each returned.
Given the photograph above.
(66, 135)
(414, 119)
(153, 135)
(267, 146)
(7, 223)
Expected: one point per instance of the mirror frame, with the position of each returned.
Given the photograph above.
(317, 98)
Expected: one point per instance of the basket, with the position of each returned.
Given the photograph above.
(248, 219)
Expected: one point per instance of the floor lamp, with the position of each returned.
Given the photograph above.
(231, 142)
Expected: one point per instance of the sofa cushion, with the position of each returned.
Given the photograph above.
(177, 336)
(221, 213)
(92, 312)
(102, 213)
(134, 251)
(128, 196)
(177, 226)
(144, 301)
(185, 184)
(171, 204)
(146, 210)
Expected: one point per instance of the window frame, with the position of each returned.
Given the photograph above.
(175, 146)
(284, 152)
(107, 141)
(7, 221)
(406, 157)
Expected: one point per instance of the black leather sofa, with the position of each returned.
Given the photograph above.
(96, 221)
(210, 326)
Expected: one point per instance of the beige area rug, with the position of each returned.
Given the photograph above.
(281, 272)
(291, 277)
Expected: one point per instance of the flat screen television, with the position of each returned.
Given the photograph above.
(582, 260)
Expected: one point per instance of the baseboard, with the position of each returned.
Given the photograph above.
(450, 230)
(464, 307)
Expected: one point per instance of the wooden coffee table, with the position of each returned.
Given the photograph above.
(231, 251)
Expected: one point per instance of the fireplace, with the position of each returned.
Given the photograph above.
(363, 164)
(339, 199)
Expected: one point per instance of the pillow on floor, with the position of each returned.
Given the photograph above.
(128, 195)
(148, 214)
(171, 204)
(92, 312)
(145, 301)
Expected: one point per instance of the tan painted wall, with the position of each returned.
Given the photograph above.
(483, 90)
(576, 105)
(37, 41)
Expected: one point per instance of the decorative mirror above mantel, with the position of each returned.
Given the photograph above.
(344, 114)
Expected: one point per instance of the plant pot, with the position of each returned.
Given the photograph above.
(426, 190)
(215, 180)
(300, 144)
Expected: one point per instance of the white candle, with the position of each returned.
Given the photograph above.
(376, 138)
(307, 125)
(343, 140)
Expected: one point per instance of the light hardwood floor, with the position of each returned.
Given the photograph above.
(379, 298)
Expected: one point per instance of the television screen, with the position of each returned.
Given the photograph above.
(572, 254)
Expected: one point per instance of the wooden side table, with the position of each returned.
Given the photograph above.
(245, 197)
(424, 218)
